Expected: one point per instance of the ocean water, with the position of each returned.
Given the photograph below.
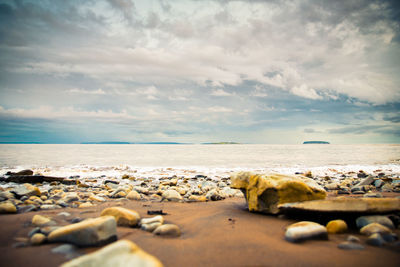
(156, 160)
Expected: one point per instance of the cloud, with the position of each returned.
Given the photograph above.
(220, 92)
(88, 92)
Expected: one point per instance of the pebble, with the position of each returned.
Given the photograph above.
(90, 232)
(26, 190)
(85, 205)
(336, 227)
(375, 195)
(352, 238)
(50, 207)
(133, 195)
(70, 251)
(48, 229)
(64, 214)
(194, 198)
(305, 230)
(123, 216)
(383, 220)
(7, 207)
(171, 195)
(350, 246)
(34, 231)
(168, 230)
(39, 220)
(373, 228)
(150, 227)
(375, 240)
(38, 239)
(158, 218)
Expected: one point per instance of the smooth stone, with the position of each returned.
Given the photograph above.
(118, 193)
(123, 216)
(362, 205)
(39, 220)
(214, 195)
(383, 220)
(6, 195)
(64, 214)
(150, 227)
(168, 230)
(350, 246)
(90, 232)
(352, 238)
(50, 207)
(194, 198)
(27, 208)
(389, 237)
(34, 231)
(373, 228)
(154, 219)
(97, 198)
(336, 227)
(371, 194)
(25, 190)
(71, 196)
(70, 251)
(23, 172)
(265, 192)
(85, 205)
(7, 207)
(133, 195)
(172, 195)
(118, 254)
(375, 240)
(379, 183)
(38, 239)
(305, 230)
(48, 229)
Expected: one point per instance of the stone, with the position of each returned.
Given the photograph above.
(194, 198)
(348, 205)
(48, 229)
(168, 230)
(38, 239)
(305, 230)
(85, 205)
(214, 195)
(371, 194)
(171, 195)
(40, 221)
(6, 195)
(150, 227)
(118, 254)
(70, 251)
(133, 195)
(34, 231)
(375, 240)
(336, 227)
(25, 190)
(158, 218)
(50, 207)
(64, 214)
(90, 232)
(96, 198)
(264, 193)
(373, 228)
(378, 183)
(123, 216)
(352, 238)
(71, 196)
(7, 207)
(23, 172)
(350, 246)
(383, 220)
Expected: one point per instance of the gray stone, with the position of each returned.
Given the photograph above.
(171, 195)
(352, 238)
(375, 240)
(150, 227)
(25, 190)
(168, 230)
(373, 228)
(50, 207)
(69, 251)
(34, 231)
(350, 246)
(375, 195)
(379, 183)
(365, 220)
(305, 230)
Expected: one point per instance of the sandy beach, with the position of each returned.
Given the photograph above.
(220, 233)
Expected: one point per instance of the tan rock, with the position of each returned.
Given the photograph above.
(90, 232)
(154, 219)
(336, 227)
(118, 254)
(194, 198)
(7, 207)
(94, 197)
(39, 220)
(124, 217)
(264, 193)
(373, 228)
(85, 205)
(168, 230)
(133, 195)
(38, 239)
(305, 230)
(171, 195)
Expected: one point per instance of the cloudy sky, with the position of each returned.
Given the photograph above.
(200, 71)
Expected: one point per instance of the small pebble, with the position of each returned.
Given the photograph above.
(375, 240)
(38, 239)
(168, 230)
(350, 246)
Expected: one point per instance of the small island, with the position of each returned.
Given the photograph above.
(315, 142)
(221, 143)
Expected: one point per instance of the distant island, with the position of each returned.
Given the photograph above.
(106, 143)
(315, 142)
(134, 143)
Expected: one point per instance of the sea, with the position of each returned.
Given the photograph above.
(157, 160)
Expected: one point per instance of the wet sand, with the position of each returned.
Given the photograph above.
(220, 233)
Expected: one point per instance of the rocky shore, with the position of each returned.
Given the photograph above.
(151, 215)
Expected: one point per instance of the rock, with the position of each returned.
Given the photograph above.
(34, 231)
(40, 221)
(38, 239)
(37, 179)
(23, 172)
(389, 237)
(371, 194)
(214, 195)
(379, 183)
(194, 198)
(375, 240)
(347, 205)
(25, 190)
(352, 238)
(133, 195)
(7, 207)
(168, 230)
(96, 198)
(124, 217)
(264, 193)
(395, 219)
(305, 230)
(332, 186)
(118, 193)
(150, 227)
(336, 227)
(48, 229)
(171, 195)
(71, 196)
(373, 228)
(50, 207)
(70, 251)
(350, 246)
(118, 254)
(383, 220)
(90, 232)
(154, 219)
(64, 214)
(6, 195)
(85, 205)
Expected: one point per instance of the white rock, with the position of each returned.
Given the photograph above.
(305, 230)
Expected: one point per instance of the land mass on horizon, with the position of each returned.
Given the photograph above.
(315, 142)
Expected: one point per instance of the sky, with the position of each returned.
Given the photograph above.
(273, 72)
